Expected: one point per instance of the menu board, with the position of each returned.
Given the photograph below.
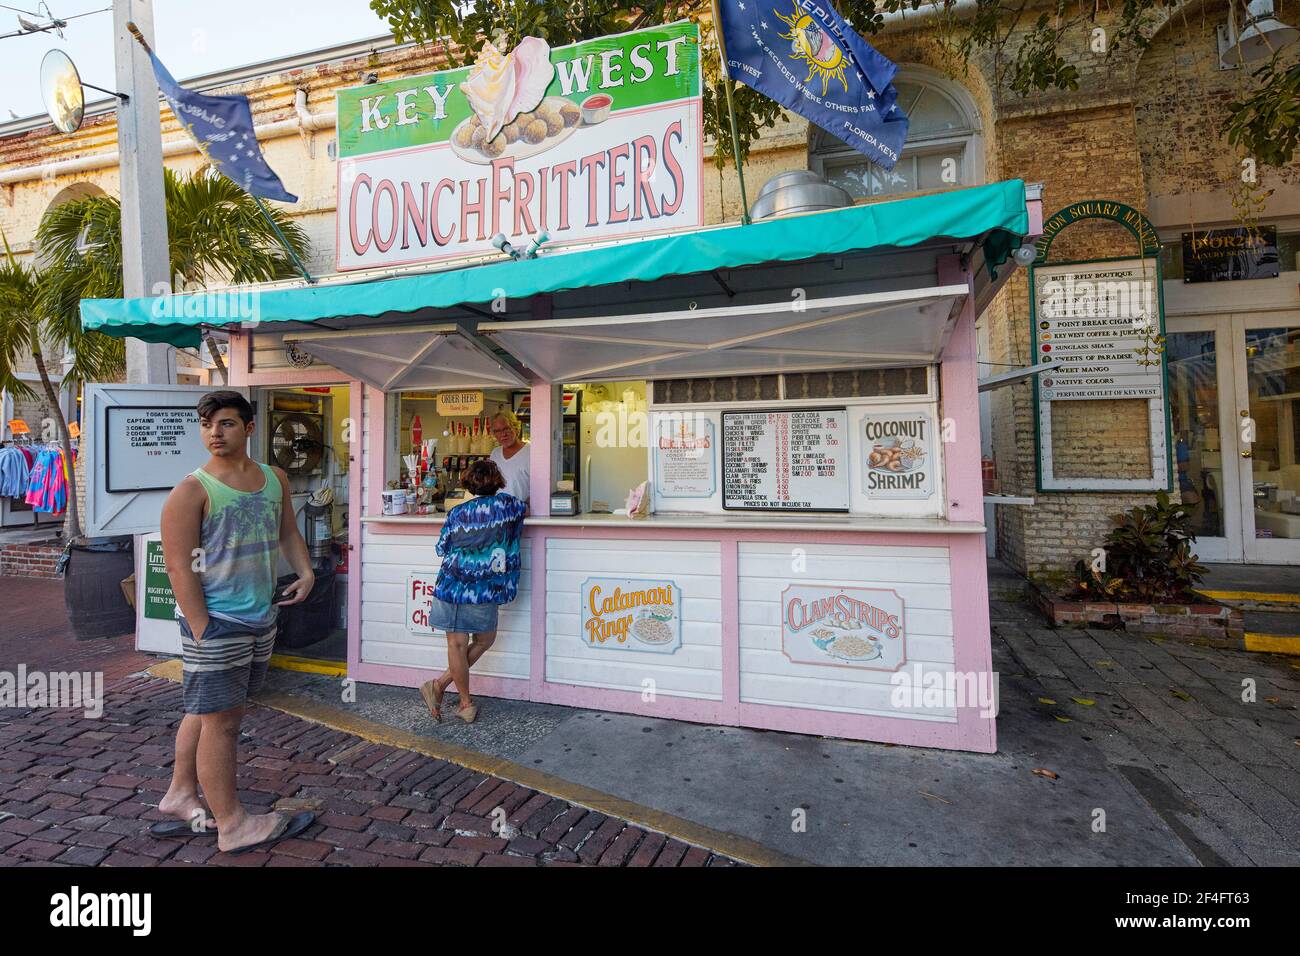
(786, 460)
(685, 458)
(149, 448)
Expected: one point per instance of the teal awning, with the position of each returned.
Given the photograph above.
(995, 214)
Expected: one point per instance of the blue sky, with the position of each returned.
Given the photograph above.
(192, 37)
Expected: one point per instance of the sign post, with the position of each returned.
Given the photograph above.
(145, 257)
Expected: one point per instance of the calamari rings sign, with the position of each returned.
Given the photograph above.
(843, 627)
(631, 614)
(598, 139)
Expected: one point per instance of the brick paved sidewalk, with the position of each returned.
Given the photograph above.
(82, 791)
(1223, 772)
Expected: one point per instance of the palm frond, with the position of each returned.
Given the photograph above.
(17, 321)
(216, 234)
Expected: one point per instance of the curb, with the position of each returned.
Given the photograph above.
(719, 842)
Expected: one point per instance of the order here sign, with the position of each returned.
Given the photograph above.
(596, 139)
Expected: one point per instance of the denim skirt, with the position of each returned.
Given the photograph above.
(462, 618)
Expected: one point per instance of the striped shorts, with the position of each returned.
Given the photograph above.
(223, 668)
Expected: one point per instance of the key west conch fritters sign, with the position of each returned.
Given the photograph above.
(596, 139)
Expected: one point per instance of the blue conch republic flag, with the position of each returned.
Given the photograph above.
(802, 54)
(223, 128)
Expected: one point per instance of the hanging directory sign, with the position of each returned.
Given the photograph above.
(1097, 324)
(1100, 326)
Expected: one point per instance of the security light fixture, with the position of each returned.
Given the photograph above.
(1261, 37)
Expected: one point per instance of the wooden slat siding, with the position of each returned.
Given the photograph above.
(693, 670)
(385, 638)
(921, 575)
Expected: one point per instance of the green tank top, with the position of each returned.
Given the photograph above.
(240, 538)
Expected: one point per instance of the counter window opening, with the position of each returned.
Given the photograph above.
(855, 441)
(943, 150)
(427, 449)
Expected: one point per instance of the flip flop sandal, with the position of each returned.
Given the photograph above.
(180, 828)
(293, 826)
(432, 699)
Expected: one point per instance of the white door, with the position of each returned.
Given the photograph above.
(1234, 393)
(1267, 371)
(1201, 410)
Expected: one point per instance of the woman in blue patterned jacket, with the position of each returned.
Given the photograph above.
(479, 547)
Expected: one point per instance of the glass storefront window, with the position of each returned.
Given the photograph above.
(1194, 417)
(1273, 376)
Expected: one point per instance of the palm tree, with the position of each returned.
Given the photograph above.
(216, 234)
(23, 331)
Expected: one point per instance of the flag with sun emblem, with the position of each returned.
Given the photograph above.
(222, 126)
(802, 54)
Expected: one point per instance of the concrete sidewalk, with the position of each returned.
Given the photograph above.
(1152, 734)
(1158, 761)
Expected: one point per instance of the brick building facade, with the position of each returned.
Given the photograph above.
(1141, 129)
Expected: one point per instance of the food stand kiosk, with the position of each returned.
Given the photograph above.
(788, 408)
(806, 393)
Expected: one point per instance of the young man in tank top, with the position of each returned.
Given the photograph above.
(223, 529)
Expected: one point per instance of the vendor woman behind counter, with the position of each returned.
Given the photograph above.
(511, 454)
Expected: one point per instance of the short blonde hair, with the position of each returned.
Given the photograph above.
(511, 419)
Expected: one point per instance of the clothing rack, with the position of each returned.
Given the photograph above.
(27, 442)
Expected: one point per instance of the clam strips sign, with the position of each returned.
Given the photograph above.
(843, 626)
(596, 139)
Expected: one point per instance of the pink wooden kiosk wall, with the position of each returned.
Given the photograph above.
(374, 542)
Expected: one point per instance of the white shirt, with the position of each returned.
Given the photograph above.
(514, 470)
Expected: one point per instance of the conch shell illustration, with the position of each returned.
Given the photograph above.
(503, 85)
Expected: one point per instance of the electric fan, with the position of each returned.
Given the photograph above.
(296, 443)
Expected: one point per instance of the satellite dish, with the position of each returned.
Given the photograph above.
(61, 91)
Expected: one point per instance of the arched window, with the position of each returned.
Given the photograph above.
(943, 147)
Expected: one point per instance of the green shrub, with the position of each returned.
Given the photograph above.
(1148, 558)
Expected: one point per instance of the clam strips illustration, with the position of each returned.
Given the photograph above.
(837, 638)
(846, 646)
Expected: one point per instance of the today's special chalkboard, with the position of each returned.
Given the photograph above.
(785, 460)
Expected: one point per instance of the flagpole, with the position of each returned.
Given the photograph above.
(731, 110)
(283, 241)
(139, 37)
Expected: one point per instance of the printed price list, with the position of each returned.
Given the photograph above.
(785, 460)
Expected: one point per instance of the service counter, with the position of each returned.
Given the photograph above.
(758, 605)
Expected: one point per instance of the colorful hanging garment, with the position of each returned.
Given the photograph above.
(15, 471)
(47, 486)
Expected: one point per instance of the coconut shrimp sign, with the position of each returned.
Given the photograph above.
(596, 139)
(843, 627)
